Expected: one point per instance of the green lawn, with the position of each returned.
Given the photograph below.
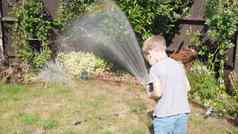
(89, 107)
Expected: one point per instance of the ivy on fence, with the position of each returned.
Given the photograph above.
(33, 24)
(222, 23)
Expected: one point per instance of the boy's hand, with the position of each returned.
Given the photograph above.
(154, 91)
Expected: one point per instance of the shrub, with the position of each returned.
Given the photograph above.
(78, 62)
(153, 17)
(33, 24)
(72, 9)
(222, 24)
(146, 16)
(207, 91)
(203, 83)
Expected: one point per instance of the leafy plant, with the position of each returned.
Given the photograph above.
(146, 17)
(153, 17)
(204, 85)
(33, 24)
(206, 90)
(69, 10)
(76, 63)
(222, 23)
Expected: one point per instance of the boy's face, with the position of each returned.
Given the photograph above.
(152, 57)
(155, 55)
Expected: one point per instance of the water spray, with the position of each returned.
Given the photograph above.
(106, 32)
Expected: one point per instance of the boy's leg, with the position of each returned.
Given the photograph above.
(181, 124)
(163, 125)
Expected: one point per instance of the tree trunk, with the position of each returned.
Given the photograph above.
(1, 39)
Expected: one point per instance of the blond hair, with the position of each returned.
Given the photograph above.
(154, 42)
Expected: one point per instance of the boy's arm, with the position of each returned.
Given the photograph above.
(188, 87)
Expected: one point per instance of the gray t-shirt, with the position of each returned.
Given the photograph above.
(172, 77)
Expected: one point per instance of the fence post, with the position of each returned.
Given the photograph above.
(2, 58)
(236, 54)
(51, 6)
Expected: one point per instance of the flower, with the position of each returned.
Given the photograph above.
(77, 62)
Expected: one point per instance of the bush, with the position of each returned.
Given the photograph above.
(207, 91)
(33, 24)
(203, 83)
(76, 63)
(146, 16)
(72, 9)
(222, 24)
(154, 17)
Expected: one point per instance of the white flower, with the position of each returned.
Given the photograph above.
(77, 62)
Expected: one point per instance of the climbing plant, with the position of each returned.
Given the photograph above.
(222, 24)
(33, 24)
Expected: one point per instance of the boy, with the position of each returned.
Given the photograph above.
(171, 111)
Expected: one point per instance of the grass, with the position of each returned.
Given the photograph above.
(89, 107)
